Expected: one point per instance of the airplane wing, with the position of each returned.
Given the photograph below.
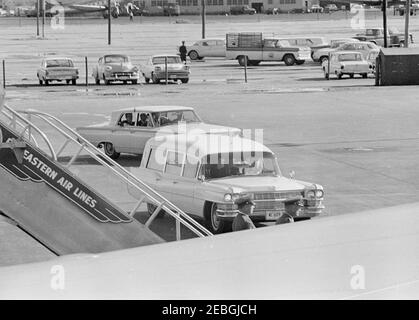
(366, 255)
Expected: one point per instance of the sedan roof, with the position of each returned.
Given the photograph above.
(153, 109)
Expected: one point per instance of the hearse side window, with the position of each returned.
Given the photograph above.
(191, 167)
(174, 163)
(155, 160)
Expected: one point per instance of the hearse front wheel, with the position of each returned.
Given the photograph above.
(214, 223)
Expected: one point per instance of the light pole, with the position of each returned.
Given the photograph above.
(109, 22)
(203, 18)
(385, 22)
(406, 24)
(37, 17)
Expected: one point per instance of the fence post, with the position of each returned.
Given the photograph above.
(4, 74)
(166, 71)
(245, 69)
(87, 71)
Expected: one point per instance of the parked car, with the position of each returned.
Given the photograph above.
(272, 11)
(395, 38)
(129, 129)
(57, 69)
(154, 69)
(346, 63)
(363, 47)
(115, 67)
(204, 178)
(316, 8)
(331, 8)
(322, 54)
(314, 43)
(210, 47)
(242, 10)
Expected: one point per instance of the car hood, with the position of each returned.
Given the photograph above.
(118, 67)
(198, 128)
(258, 184)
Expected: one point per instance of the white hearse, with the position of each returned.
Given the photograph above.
(129, 129)
(205, 174)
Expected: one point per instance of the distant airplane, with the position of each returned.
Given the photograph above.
(82, 6)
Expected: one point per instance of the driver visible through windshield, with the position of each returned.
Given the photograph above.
(236, 164)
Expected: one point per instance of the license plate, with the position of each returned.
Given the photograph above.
(272, 215)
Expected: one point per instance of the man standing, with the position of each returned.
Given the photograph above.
(183, 52)
(242, 221)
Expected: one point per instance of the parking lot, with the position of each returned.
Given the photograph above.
(357, 140)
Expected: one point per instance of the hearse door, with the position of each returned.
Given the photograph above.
(270, 51)
(181, 181)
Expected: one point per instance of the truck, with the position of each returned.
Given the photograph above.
(253, 48)
(376, 35)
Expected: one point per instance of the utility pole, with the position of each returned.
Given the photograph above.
(37, 17)
(406, 23)
(109, 22)
(203, 18)
(385, 22)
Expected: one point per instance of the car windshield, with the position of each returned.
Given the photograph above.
(350, 57)
(170, 60)
(167, 118)
(59, 63)
(116, 59)
(239, 164)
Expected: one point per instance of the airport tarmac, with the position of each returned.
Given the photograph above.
(357, 140)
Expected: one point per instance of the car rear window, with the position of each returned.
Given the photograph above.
(350, 57)
(59, 63)
(115, 59)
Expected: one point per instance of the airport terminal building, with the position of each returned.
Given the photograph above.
(223, 6)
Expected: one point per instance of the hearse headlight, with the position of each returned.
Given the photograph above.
(157, 68)
(228, 197)
(310, 194)
(108, 68)
(232, 196)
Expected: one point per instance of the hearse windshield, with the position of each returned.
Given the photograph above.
(239, 164)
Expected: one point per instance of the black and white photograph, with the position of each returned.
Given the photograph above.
(209, 154)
